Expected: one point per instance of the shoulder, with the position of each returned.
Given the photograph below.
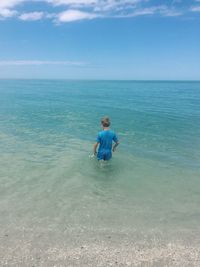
(100, 133)
(112, 132)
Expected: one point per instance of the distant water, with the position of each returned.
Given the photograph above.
(48, 181)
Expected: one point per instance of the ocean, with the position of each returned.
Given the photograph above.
(59, 207)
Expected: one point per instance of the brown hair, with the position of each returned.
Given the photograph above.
(105, 121)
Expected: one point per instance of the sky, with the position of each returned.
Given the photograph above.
(100, 39)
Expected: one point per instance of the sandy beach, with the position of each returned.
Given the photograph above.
(73, 247)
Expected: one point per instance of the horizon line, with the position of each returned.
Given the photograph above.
(94, 79)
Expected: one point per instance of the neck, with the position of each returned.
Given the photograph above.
(106, 128)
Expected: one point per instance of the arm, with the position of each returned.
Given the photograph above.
(115, 145)
(95, 148)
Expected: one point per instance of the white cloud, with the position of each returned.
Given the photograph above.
(6, 6)
(145, 11)
(38, 63)
(7, 13)
(137, 12)
(161, 10)
(72, 10)
(72, 2)
(195, 9)
(114, 5)
(32, 16)
(10, 3)
(96, 5)
(73, 15)
(170, 12)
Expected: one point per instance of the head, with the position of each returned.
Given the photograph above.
(105, 121)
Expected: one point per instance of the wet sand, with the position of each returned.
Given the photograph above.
(72, 247)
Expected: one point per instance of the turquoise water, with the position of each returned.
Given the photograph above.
(49, 183)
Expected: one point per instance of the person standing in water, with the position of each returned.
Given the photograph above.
(105, 141)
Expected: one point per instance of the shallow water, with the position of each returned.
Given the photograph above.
(49, 183)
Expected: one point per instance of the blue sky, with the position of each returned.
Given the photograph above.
(100, 39)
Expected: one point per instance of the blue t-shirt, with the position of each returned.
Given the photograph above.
(105, 139)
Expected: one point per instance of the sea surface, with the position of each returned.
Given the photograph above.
(53, 195)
